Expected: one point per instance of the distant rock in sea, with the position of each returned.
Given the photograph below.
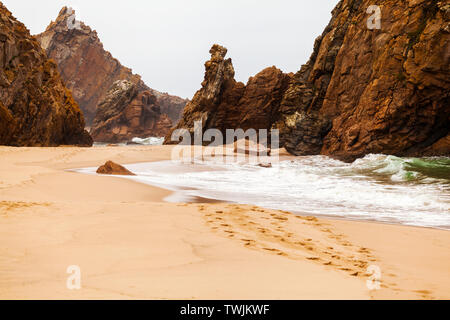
(364, 90)
(90, 71)
(171, 105)
(36, 109)
(113, 168)
(127, 113)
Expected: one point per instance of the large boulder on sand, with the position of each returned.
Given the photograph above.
(114, 169)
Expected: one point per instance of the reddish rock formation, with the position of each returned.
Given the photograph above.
(36, 109)
(113, 168)
(222, 103)
(439, 148)
(172, 106)
(373, 91)
(88, 69)
(128, 112)
(362, 91)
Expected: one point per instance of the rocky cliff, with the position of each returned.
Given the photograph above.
(364, 90)
(223, 103)
(127, 112)
(88, 69)
(36, 109)
(172, 106)
(374, 90)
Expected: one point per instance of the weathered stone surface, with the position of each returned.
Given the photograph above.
(128, 112)
(373, 91)
(362, 91)
(36, 109)
(7, 124)
(170, 105)
(222, 103)
(113, 168)
(439, 148)
(89, 70)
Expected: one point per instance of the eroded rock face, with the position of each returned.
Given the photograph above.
(170, 105)
(128, 112)
(373, 91)
(222, 103)
(88, 69)
(362, 91)
(36, 109)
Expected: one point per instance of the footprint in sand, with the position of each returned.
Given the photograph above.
(423, 292)
(313, 258)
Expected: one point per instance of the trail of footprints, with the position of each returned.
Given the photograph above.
(248, 224)
(6, 206)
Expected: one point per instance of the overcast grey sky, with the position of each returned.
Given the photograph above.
(167, 41)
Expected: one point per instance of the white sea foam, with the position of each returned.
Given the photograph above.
(150, 141)
(377, 187)
(153, 141)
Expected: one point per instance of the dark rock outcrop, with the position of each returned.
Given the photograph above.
(222, 103)
(113, 168)
(36, 109)
(362, 91)
(128, 112)
(89, 70)
(373, 91)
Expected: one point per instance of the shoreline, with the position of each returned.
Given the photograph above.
(174, 194)
(191, 194)
(132, 245)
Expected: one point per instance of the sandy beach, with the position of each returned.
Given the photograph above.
(131, 244)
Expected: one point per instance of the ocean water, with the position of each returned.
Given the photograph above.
(150, 141)
(382, 188)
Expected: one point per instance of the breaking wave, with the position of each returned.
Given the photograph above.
(410, 191)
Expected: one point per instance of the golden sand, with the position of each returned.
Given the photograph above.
(130, 244)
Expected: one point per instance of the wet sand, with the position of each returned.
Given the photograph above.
(130, 244)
